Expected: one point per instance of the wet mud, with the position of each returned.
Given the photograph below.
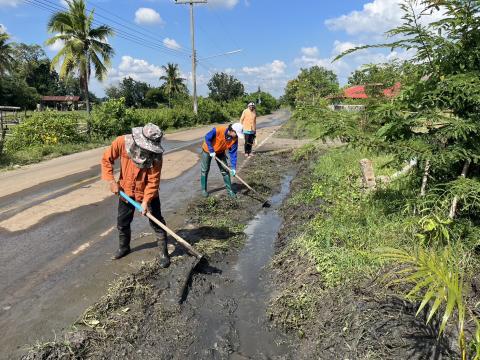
(214, 310)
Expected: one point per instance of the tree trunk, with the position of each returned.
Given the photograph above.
(87, 98)
(368, 175)
(453, 208)
(426, 173)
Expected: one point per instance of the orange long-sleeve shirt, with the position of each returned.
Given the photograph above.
(137, 183)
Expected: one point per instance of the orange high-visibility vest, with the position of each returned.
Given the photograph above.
(220, 143)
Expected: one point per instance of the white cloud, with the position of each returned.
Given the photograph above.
(137, 69)
(340, 47)
(171, 44)
(56, 46)
(310, 51)
(13, 3)
(276, 68)
(376, 17)
(229, 4)
(148, 16)
(3, 29)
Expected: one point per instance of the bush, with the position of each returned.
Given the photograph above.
(161, 117)
(47, 128)
(210, 111)
(112, 118)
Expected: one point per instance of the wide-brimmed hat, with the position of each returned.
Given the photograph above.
(149, 138)
(238, 128)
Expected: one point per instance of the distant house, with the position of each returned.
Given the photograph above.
(62, 103)
(358, 91)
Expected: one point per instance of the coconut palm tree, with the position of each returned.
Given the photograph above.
(6, 54)
(82, 44)
(173, 83)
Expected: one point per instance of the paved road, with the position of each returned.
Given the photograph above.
(57, 234)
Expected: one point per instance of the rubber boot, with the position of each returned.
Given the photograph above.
(124, 237)
(203, 182)
(228, 185)
(164, 258)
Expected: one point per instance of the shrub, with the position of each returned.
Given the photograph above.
(210, 111)
(47, 128)
(161, 117)
(112, 118)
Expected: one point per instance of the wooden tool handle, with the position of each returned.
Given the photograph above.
(236, 176)
(178, 238)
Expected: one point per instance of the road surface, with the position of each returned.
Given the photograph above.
(57, 231)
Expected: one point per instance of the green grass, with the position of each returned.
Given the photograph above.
(343, 236)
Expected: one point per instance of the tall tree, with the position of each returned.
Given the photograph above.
(312, 83)
(173, 84)
(224, 87)
(133, 91)
(6, 54)
(83, 45)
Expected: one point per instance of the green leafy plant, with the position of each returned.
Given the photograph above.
(435, 278)
(46, 128)
(434, 230)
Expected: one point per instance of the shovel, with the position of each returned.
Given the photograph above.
(177, 238)
(266, 203)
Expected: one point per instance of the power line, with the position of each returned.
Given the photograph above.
(58, 7)
(142, 31)
(52, 8)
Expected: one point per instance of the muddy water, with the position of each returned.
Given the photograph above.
(246, 334)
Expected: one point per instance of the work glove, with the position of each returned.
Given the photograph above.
(212, 155)
(233, 172)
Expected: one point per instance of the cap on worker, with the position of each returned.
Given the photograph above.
(251, 104)
(149, 137)
(238, 128)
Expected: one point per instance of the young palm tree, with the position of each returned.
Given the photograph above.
(83, 45)
(6, 54)
(173, 84)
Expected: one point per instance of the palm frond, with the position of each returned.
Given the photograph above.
(435, 277)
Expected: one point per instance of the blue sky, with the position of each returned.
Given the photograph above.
(277, 38)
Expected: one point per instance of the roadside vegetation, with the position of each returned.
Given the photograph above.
(417, 233)
(28, 74)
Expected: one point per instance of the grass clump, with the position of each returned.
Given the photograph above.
(343, 235)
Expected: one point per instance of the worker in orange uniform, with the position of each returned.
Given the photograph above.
(249, 122)
(216, 143)
(141, 158)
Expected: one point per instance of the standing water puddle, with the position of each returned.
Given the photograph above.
(245, 331)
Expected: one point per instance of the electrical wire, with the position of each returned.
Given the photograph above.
(52, 8)
(142, 30)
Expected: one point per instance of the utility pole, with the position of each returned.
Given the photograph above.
(194, 55)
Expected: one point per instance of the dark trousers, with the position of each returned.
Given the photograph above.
(249, 139)
(206, 160)
(127, 210)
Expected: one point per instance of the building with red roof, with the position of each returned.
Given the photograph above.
(358, 91)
